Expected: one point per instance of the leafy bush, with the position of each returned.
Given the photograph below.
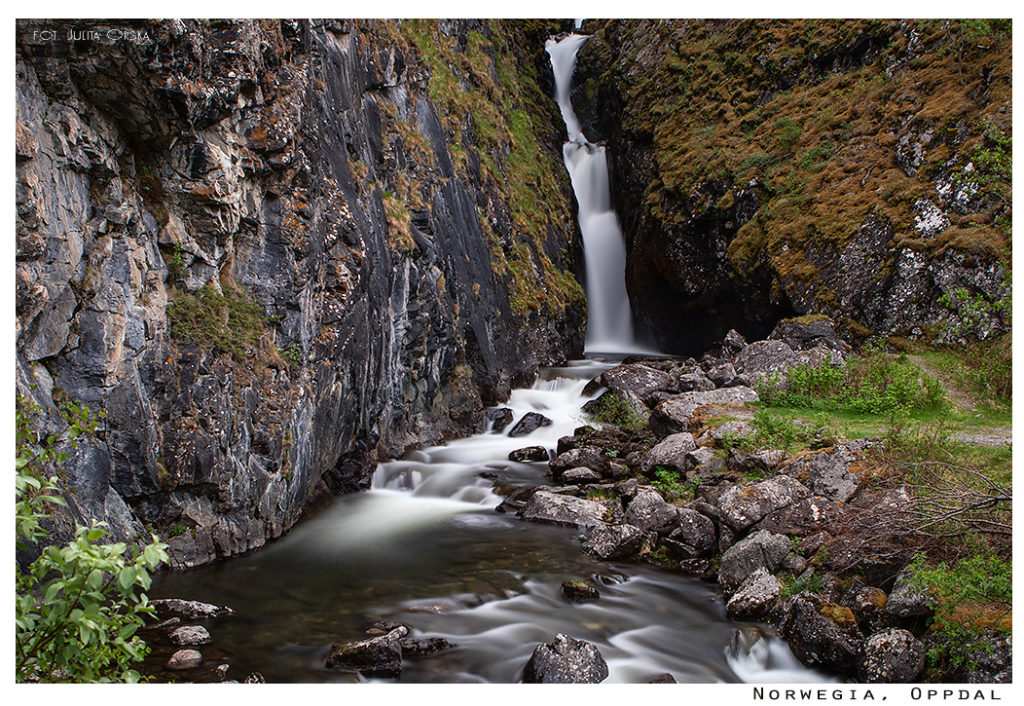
(794, 585)
(974, 595)
(876, 383)
(77, 609)
(230, 321)
(777, 432)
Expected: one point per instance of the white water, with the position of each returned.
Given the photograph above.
(426, 547)
(609, 319)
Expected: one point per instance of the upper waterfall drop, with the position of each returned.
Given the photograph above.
(609, 318)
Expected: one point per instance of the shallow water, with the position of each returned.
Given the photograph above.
(426, 547)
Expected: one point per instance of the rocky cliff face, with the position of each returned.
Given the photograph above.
(272, 252)
(855, 168)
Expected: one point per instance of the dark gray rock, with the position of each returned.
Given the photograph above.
(670, 453)
(694, 382)
(755, 597)
(190, 635)
(733, 342)
(673, 415)
(665, 678)
(804, 517)
(636, 378)
(760, 550)
(907, 600)
(586, 456)
(565, 660)
(696, 530)
(614, 541)
(579, 592)
(828, 472)
(188, 610)
(529, 453)
(764, 358)
(817, 640)
(722, 375)
(801, 335)
(378, 656)
(649, 511)
(743, 506)
(581, 475)
(892, 656)
(761, 461)
(700, 457)
(544, 506)
(531, 421)
(500, 418)
(734, 428)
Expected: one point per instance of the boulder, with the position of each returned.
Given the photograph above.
(670, 452)
(185, 659)
(828, 472)
(807, 332)
(733, 342)
(188, 610)
(761, 461)
(617, 407)
(581, 475)
(760, 550)
(734, 428)
(699, 457)
(614, 541)
(649, 512)
(627, 489)
(804, 517)
(586, 456)
(579, 592)
(190, 635)
(665, 678)
(694, 382)
(817, 640)
(696, 530)
(529, 453)
(743, 506)
(378, 656)
(499, 418)
(907, 600)
(530, 422)
(565, 660)
(673, 415)
(868, 606)
(545, 506)
(722, 375)
(637, 378)
(755, 596)
(892, 656)
(763, 358)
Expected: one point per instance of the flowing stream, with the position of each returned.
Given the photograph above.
(427, 547)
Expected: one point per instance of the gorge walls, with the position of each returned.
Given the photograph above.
(765, 169)
(269, 253)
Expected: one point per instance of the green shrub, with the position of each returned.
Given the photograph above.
(670, 484)
(76, 606)
(974, 595)
(231, 322)
(777, 432)
(794, 585)
(875, 383)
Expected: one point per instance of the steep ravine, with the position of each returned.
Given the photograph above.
(271, 253)
(858, 168)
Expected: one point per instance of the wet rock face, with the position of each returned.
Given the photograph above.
(565, 660)
(378, 656)
(299, 171)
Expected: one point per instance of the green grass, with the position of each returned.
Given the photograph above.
(230, 322)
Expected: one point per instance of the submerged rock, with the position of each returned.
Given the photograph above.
(378, 656)
(189, 610)
(190, 635)
(500, 418)
(579, 591)
(530, 422)
(425, 646)
(529, 453)
(565, 660)
(185, 659)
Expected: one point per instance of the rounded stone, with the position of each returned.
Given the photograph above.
(185, 659)
(190, 635)
(892, 656)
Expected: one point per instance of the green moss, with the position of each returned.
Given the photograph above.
(230, 322)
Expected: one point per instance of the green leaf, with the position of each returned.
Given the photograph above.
(127, 577)
(95, 579)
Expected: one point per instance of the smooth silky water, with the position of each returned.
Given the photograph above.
(426, 547)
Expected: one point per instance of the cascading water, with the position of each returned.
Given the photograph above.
(425, 547)
(609, 319)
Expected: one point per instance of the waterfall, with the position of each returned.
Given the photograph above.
(609, 319)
